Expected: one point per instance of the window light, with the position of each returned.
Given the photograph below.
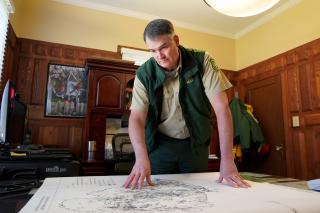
(6, 7)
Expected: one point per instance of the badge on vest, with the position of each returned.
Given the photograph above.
(189, 81)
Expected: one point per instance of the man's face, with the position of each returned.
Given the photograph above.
(165, 50)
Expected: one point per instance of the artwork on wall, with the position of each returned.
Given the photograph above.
(66, 91)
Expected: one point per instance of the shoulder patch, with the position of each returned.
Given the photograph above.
(213, 64)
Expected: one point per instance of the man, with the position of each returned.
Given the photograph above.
(170, 120)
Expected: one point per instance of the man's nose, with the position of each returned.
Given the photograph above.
(160, 55)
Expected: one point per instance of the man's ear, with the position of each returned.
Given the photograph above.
(176, 39)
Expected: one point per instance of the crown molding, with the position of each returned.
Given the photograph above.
(267, 18)
(149, 17)
(139, 15)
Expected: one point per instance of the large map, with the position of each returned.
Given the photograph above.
(168, 196)
(171, 193)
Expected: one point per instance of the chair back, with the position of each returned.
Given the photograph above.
(122, 148)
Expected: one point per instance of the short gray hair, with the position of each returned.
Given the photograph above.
(158, 27)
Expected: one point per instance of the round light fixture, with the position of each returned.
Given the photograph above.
(241, 8)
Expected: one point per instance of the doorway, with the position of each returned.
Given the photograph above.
(266, 98)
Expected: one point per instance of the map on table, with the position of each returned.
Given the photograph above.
(171, 193)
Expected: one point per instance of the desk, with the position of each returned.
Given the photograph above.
(29, 169)
(13, 202)
(173, 193)
(282, 181)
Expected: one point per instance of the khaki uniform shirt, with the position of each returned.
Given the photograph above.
(172, 121)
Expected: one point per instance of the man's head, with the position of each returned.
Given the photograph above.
(162, 42)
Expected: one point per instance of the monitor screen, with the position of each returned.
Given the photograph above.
(12, 116)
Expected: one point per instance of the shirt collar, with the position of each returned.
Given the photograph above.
(174, 73)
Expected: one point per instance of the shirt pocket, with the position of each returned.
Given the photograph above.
(166, 104)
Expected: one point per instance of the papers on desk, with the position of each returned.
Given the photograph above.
(172, 193)
(314, 184)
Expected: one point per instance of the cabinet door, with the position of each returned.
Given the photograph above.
(109, 91)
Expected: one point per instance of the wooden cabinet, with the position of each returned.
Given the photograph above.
(213, 165)
(108, 91)
(107, 82)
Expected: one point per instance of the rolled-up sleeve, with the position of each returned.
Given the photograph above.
(140, 99)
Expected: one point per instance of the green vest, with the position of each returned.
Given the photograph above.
(195, 106)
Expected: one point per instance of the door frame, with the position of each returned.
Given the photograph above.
(243, 84)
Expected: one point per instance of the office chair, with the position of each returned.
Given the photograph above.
(123, 154)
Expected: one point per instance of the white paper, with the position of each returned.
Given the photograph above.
(172, 193)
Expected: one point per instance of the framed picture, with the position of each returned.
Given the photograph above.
(66, 91)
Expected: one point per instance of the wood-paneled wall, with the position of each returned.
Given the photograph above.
(299, 69)
(27, 65)
(33, 60)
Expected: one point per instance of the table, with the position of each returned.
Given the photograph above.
(173, 193)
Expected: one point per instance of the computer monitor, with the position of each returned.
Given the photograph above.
(12, 116)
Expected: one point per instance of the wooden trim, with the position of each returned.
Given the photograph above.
(312, 119)
(134, 48)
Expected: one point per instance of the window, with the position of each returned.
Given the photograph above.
(6, 7)
(139, 56)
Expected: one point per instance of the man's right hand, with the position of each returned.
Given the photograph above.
(140, 171)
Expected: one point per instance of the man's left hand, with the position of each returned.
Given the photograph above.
(229, 173)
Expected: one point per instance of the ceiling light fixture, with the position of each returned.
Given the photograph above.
(241, 8)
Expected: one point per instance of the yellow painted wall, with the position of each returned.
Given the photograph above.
(51, 21)
(296, 26)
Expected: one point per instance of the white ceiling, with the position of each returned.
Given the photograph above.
(190, 14)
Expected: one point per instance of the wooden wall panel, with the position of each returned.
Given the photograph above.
(312, 145)
(54, 135)
(304, 52)
(63, 136)
(300, 153)
(316, 82)
(316, 47)
(36, 112)
(38, 91)
(75, 139)
(293, 89)
(312, 119)
(232, 76)
(300, 70)
(53, 131)
(290, 57)
(24, 79)
(276, 63)
(305, 77)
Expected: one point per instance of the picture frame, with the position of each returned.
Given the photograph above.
(66, 92)
(138, 55)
